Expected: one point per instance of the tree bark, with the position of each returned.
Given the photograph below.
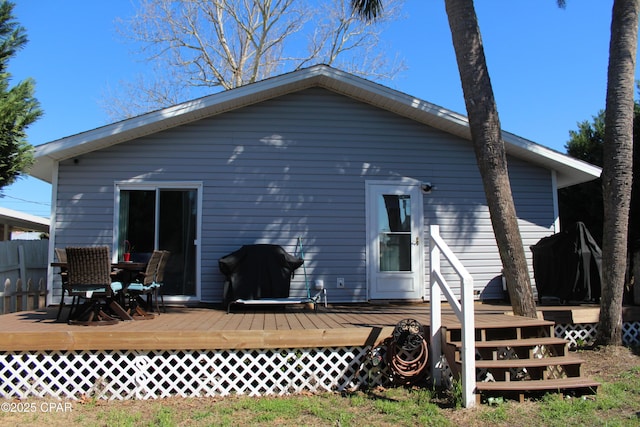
(617, 167)
(490, 153)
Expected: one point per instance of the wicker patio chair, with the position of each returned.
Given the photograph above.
(89, 278)
(144, 288)
(61, 254)
(159, 282)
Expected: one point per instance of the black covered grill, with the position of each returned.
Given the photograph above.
(568, 266)
(258, 271)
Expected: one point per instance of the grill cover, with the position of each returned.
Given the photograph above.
(568, 265)
(258, 271)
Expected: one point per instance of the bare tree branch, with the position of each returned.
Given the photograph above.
(196, 46)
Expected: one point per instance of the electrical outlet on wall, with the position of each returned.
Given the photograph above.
(340, 282)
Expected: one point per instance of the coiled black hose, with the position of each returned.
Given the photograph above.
(407, 352)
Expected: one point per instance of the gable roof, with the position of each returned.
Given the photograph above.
(570, 171)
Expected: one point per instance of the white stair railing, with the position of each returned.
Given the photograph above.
(463, 310)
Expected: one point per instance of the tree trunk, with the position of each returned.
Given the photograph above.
(633, 265)
(487, 140)
(617, 167)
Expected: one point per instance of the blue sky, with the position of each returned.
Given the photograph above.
(548, 67)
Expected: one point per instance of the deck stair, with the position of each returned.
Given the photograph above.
(519, 357)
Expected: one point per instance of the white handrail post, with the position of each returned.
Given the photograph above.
(464, 312)
(468, 343)
(436, 307)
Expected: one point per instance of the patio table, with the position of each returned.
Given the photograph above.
(130, 270)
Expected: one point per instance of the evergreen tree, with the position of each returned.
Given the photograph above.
(18, 106)
(583, 202)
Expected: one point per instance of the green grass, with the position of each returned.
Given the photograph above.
(164, 417)
(495, 415)
(557, 410)
(119, 418)
(615, 405)
(623, 391)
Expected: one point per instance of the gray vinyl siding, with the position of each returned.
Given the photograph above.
(296, 166)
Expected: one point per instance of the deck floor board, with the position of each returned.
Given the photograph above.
(245, 320)
(182, 327)
(293, 322)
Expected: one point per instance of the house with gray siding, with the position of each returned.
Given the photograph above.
(355, 170)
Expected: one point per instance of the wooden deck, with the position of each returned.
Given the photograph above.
(206, 328)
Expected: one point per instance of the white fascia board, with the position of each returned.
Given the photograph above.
(570, 171)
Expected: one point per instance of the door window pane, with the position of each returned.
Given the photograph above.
(177, 233)
(137, 222)
(394, 225)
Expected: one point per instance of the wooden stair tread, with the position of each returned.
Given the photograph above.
(507, 322)
(528, 363)
(524, 342)
(538, 385)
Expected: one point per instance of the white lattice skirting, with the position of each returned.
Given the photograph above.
(581, 334)
(132, 374)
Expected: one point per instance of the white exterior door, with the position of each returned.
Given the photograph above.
(395, 248)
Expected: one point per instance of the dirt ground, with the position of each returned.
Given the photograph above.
(605, 364)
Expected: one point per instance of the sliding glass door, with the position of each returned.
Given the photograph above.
(161, 217)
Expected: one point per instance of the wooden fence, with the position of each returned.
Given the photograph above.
(17, 297)
(23, 272)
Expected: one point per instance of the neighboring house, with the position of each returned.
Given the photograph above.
(16, 224)
(357, 170)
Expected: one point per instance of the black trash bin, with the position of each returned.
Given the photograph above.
(568, 266)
